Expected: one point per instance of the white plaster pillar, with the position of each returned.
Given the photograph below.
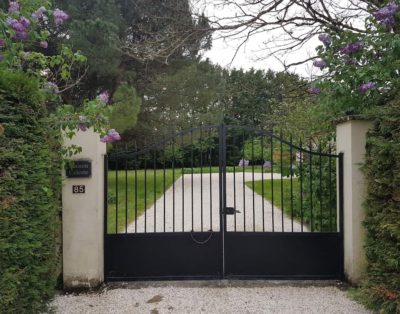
(83, 217)
(351, 141)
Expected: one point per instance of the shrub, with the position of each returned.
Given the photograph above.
(29, 197)
(381, 290)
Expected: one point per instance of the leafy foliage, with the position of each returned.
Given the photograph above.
(126, 107)
(381, 290)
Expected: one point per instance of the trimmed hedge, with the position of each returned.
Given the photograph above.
(29, 197)
(381, 291)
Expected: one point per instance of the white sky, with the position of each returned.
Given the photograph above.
(223, 51)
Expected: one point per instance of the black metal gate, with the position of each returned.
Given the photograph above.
(224, 201)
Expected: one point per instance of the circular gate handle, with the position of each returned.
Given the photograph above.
(201, 242)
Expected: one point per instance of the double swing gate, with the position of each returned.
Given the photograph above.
(223, 201)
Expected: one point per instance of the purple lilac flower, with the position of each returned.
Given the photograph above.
(16, 25)
(44, 44)
(104, 97)
(320, 64)
(352, 48)
(2, 43)
(325, 39)
(114, 135)
(38, 14)
(105, 139)
(25, 22)
(111, 137)
(367, 86)
(60, 17)
(314, 90)
(385, 15)
(14, 7)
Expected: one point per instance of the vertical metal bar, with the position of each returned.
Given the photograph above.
(341, 199)
(105, 225)
(262, 181)
(155, 189)
(291, 180)
(272, 183)
(201, 178)
(234, 187)
(173, 185)
(145, 194)
(126, 195)
(311, 188)
(301, 187)
(105, 195)
(341, 207)
(320, 188)
(116, 195)
(282, 203)
(330, 188)
(211, 206)
(136, 194)
(224, 227)
(183, 185)
(191, 158)
(222, 203)
(164, 189)
(244, 185)
(252, 179)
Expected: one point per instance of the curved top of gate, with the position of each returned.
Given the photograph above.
(222, 127)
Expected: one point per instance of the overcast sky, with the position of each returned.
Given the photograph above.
(249, 55)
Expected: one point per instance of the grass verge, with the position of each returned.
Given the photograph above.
(138, 198)
(279, 199)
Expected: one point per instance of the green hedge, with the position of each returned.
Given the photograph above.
(29, 198)
(381, 290)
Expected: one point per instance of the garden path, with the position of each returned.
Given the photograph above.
(177, 203)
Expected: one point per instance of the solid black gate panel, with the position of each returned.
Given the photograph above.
(162, 256)
(283, 255)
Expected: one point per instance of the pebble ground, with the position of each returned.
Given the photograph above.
(252, 297)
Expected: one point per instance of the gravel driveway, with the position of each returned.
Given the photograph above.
(205, 203)
(250, 297)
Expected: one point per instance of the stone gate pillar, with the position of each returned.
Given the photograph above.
(351, 141)
(82, 213)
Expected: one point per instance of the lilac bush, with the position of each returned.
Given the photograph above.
(385, 15)
(27, 28)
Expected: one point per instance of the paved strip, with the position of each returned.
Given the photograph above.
(195, 207)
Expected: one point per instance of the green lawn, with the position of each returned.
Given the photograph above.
(140, 201)
(277, 194)
(323, 217)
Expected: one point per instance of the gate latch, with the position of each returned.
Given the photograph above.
(231, 211)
